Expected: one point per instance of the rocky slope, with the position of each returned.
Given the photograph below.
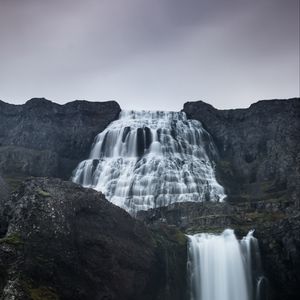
(259, 147)
(42, 138)
(65, 242)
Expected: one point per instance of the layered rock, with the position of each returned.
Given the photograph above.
(42, 138)
(259, 147)
(66, 242)
(276, 225)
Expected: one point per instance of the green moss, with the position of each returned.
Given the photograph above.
(43, 193)
(12, 239)
(42, 293)
(265, 216)
(266, 185)
(38, 292)
(180, 237)
(168, 233)
(14, 182)
(202, 229)
(225, 167)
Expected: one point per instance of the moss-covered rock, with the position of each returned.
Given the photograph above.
(75, 245)
(12, 239)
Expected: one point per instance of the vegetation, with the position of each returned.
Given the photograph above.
(12, 239)
(42, 293)
(43, 193)
(14, 182)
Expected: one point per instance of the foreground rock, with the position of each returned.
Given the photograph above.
(42, 138)
(66, 242)
(259, 148)
(276, 225)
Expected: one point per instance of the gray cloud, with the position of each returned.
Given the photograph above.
(146, 54)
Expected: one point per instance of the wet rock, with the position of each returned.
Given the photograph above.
(278, 233)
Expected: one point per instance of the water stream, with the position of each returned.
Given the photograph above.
(221, 267)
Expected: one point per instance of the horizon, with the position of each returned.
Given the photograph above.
(154, 110)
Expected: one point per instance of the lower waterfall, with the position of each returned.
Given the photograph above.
(221, 267)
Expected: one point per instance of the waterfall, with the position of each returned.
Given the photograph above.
(223, 268)
(150, 159)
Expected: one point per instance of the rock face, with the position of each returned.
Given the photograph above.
(60, 241)
(259, 166)
(4, 196)
(4, 191)
(277, 228)
(66, 242)
(259, 147)
(42, 138)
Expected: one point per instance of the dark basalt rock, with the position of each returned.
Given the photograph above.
(60, 241)
(4, 191)
(276, 225)
(66, 242)
(42, 138)
(4, 196)
(259, 147)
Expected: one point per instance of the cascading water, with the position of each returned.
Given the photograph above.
(257, 283)
(222, 268)
(148, 159)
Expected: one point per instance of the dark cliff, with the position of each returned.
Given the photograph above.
(276, 225)
(42, 138)
(259, 166)
(259, 147)
(62, 241)
(4, 191)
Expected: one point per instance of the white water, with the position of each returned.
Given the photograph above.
(148, 159)
(221, 267)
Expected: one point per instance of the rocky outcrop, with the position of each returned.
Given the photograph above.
(66, 242)
(259, 147)
(42, 138)
(276, 225)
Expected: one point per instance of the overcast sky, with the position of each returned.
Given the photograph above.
(149, 54)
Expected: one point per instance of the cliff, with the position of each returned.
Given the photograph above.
(60, 241)
(42, 138)
(259, 166)
(259, 147)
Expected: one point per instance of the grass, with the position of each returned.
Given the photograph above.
(265, 216)
(42, 293)
(43, 193)
(12, 239)
(39, 292)
(14, 182)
